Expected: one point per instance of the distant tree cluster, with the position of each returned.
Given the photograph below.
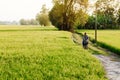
(28, 22)
(43, 17)
(8, 23)
(108, 15)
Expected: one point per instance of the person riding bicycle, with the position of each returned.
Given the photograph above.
(85, 41)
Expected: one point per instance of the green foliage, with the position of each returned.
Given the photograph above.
(90, 24)
(45, 55)
(118, 16)
(106, 13)
(66, 14)
(43, 17)
(81, 19)
(109, 47)
(55, 16)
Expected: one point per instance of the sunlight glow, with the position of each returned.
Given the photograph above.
(14, 10)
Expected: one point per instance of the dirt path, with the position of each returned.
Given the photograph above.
(111, 64)
(111, 61)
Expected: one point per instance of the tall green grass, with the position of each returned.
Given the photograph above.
(108, 39)
(45, 55)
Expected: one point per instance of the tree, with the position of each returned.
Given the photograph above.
(90, 23)
(81, 19)
(106, 13)
(33, 22)
(56, 17)
(43, 17)
(118, 16)
(66, 13)
(22, 22)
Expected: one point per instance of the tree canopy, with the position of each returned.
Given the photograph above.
(70, 14)
(65, 14)
(43, 17)
(106, 12)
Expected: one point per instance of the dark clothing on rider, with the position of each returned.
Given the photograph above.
(85, 40)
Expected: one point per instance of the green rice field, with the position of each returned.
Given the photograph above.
(35, 53)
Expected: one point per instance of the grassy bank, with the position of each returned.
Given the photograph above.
(108, 39)
(45, 55)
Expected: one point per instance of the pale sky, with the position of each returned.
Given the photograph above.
(14, 10)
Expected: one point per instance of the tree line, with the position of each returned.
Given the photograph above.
(107, 13)
(28, 22)
(74, 14)
(71, 14)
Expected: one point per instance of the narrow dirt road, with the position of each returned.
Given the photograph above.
(111, 64)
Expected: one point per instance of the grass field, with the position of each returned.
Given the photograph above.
(26, 28)
(106, 38)
(44, 55)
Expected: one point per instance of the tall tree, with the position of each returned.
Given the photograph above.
(28, 22)
(118, 16)
(66, 13)
(90, 23)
